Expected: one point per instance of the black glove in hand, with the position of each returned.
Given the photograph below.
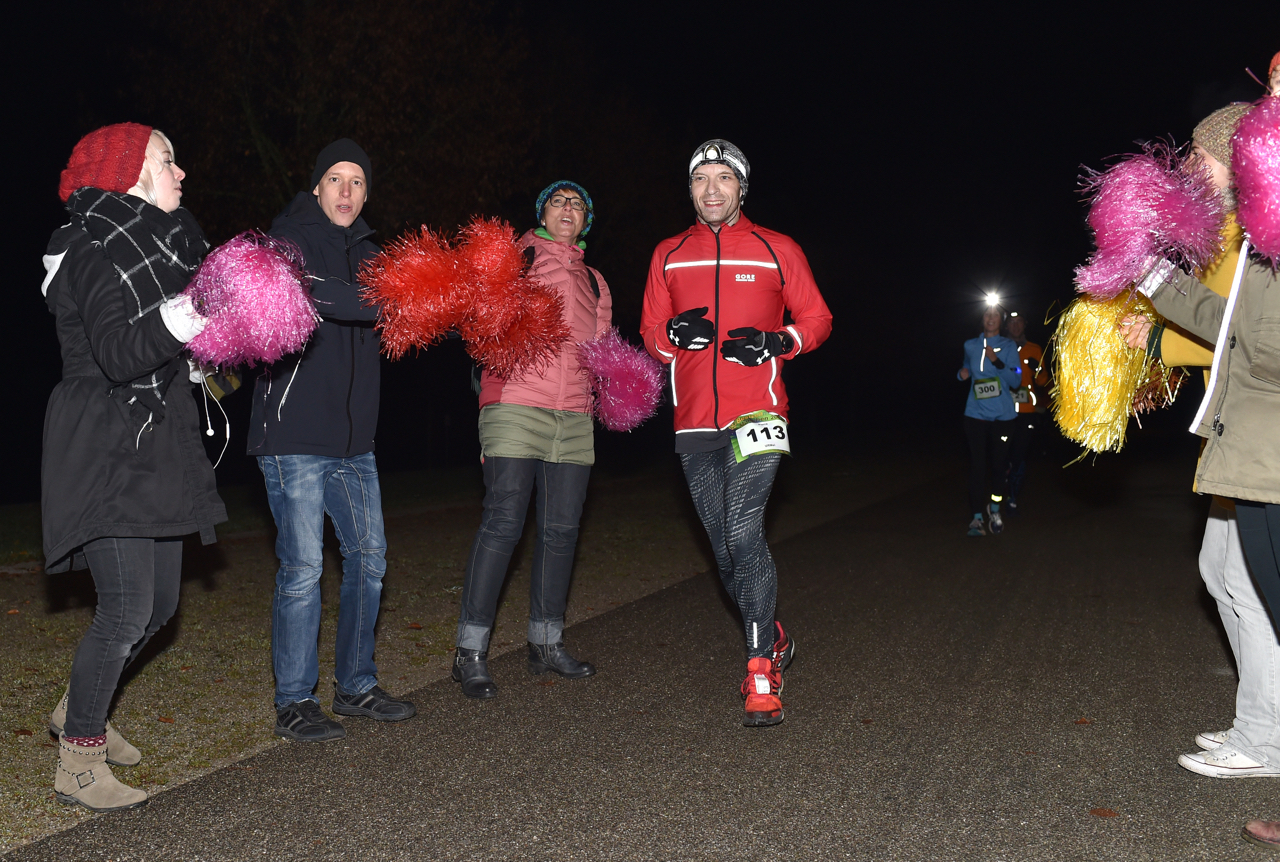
(751, 347)
(690, 330)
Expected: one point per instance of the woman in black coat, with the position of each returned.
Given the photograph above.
(124, 473)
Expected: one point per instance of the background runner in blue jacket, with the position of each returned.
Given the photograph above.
(993, 372)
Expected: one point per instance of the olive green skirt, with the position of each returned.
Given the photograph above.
(519, 431)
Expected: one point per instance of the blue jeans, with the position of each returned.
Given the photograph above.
(301, 489)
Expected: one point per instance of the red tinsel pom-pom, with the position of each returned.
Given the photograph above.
(535, 333)
(420, 290)
(516, 325)
(490, 250)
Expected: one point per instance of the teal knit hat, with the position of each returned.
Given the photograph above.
(567, 184)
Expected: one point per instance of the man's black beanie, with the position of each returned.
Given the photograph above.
(342, 150)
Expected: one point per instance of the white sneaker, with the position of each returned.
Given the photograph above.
(1226, 761)
(997, 522)
(1211, 739)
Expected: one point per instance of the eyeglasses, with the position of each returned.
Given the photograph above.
(576, 204)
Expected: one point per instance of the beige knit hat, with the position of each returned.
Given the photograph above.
(1214, 131)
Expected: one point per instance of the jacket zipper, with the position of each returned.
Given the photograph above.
(715, 354)
(351, 383)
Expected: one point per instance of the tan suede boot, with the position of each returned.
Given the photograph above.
(83, 778)
(119, 751)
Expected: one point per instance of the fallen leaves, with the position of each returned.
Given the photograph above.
(1083, 721)
(1104, 812)
(13, 611)
(21, 731)
(415, 625)
(167, 719)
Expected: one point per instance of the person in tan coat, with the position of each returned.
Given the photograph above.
(1255, 731)
(1238, 418)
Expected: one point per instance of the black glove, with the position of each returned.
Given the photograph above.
(690, 330)
(749, 346)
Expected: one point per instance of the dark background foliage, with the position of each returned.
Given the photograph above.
(920, 158)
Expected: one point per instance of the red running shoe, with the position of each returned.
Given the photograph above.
(763, 690)
(784, 649)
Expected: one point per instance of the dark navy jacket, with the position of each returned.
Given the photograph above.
(324, 401)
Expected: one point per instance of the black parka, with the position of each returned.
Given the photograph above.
(323, 401)
(106, 469)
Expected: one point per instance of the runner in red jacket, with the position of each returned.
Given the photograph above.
(715, 310)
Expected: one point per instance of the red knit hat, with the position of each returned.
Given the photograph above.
(109, 159)
(1275, 61)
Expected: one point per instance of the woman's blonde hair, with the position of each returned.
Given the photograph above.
(152, 165)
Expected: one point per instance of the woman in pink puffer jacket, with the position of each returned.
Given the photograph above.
(537, 431)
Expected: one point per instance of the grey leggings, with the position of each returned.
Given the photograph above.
(730, 497)
(137, 582)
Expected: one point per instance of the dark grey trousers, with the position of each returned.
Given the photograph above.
(138, 582)
(561, 490)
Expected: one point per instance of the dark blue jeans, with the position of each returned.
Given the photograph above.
(508, 482)
(137, 582)
(301, 490)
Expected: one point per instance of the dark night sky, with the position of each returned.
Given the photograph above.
(917, 158)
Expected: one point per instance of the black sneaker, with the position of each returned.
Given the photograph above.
(304, 722)
(374, 703)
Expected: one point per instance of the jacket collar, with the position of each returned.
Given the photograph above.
(305, 209)
(743, 225)
(563, 251)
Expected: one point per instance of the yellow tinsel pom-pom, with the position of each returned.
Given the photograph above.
(1099, 380)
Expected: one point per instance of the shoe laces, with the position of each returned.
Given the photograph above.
(762, 678)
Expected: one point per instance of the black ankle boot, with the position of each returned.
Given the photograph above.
(471, 668)
(554, 657)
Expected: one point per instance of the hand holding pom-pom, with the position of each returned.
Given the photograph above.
(626, 379)
(252, 290)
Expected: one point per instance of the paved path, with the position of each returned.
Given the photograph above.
(951, 699)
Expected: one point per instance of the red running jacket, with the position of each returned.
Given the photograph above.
(746, 275)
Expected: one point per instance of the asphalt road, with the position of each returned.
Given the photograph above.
(1021, 697)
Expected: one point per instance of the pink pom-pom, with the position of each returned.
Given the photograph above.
(252, 289)
(1255, 159)
(419, 289)
(626, 379)
(1146, 206)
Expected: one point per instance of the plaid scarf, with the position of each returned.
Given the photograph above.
(155, 254)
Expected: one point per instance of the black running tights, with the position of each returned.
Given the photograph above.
(730, 497)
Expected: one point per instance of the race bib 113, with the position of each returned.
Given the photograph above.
(760, 432)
